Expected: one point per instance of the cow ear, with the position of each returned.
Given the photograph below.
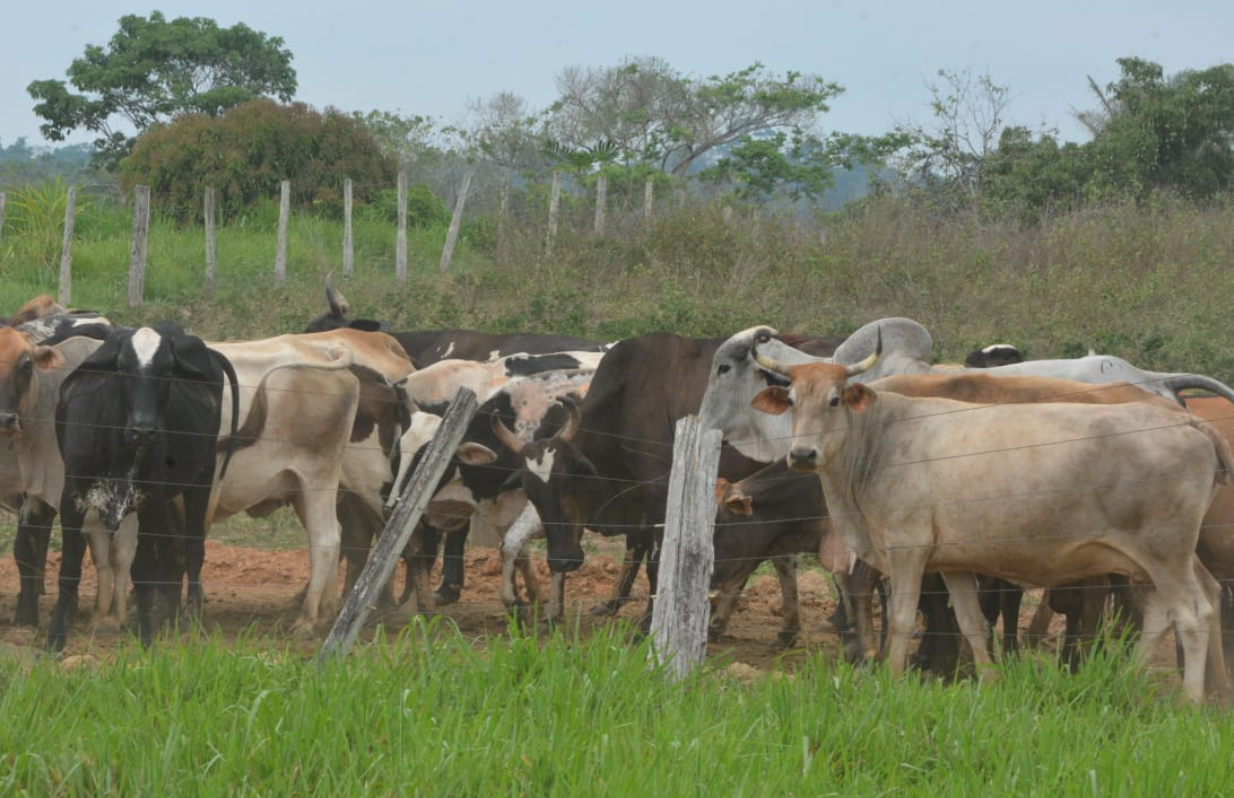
(192, 358)
(859, 396)
(722, 486)
(773, 400)
(583, 468)
(737, 504)
(366, 325)
(47, 357)
(474, 454)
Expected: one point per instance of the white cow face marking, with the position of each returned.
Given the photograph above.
(542, 465)
(145, 343)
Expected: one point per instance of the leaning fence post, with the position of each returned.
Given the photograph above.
(554, 201)
(363, 598)
(208, 211)
(679, 619)
(137, 254)
(456, 220)
(2, 200)
(66, 248)
(280, 255)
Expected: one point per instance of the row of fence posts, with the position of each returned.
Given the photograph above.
(141, 228)
(682, 611)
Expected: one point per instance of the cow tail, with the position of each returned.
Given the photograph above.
(1225, 460)
(230, 371)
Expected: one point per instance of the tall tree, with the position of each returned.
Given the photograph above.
(153, 69)
(657, 116)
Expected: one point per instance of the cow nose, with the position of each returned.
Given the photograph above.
(141, 433)
(803, 458)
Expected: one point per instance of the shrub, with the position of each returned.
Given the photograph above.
(246, 152)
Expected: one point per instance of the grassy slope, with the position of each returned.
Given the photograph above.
(438, 717)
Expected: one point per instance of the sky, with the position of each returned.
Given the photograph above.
(430, 58)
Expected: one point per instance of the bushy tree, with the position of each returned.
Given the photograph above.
(246, 152)
(154, 69)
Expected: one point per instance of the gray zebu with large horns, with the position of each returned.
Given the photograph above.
(916, 485)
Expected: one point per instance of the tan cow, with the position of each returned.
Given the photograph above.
(1042, 494)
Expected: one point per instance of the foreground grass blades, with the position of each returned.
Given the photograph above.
(432, 714)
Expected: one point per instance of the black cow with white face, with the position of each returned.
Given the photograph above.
(993, 355)
(137, 425)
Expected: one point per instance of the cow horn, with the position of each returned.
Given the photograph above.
(869, 362)
(770, 364)
(336, 301)
(505, 435)
(571, 428)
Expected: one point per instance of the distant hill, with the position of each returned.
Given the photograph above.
(20, 163)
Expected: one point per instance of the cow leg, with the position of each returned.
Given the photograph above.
(1217, 680)
(1039, 626)
(939, 651)
(73, 549)
(636, 550)
(531, 582)
(963, 588)
(99, 541)
(512, 543)
(1010, 597)
(157, 573)
(1178, 597)
(557, 598)
(450, 588)
(905, 566)
(123, 549)
(318, 514)
(196, 501)
(861, 585)
(727, 595)
(786, 571)
(30, 552)
(653, 581)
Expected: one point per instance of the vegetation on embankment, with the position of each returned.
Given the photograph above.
(433, 715)
(1150, 281)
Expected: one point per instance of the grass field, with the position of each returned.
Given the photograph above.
(432, 714)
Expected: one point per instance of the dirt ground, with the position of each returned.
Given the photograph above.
(252, 591)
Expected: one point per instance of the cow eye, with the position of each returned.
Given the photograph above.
(835, 400)
(724, 368)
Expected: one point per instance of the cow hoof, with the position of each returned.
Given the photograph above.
(605, 609)
(106, 626)
(787, 638)
(447, 594)
(27, 615)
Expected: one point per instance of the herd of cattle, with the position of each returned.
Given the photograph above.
(1075, 475)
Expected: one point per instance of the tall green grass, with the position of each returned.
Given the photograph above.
(430, 714)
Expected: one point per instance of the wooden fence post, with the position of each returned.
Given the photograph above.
(502, 212)
(456, 221)
(2, 201)
(66, 249)
(137, 253)
(648, 198)
(601, 201)
(280, 255)
(554, 202)
(349, 252)
(679, 619)
(211, 263)
(400, 252)
(363, 598)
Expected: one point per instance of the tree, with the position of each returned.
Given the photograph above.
(657, 116)
(153, 69)
(247, 151)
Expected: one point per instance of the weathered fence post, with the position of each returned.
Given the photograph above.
(554, 202)
(2, 201)
(601, 201)
(66, 248)
(211, 262)
(137, 253)
(400, 250)
(363, 598)
(456, 221)
(502, 211)
(349, 252)
(280, 255)
(679, 620)
(648, 198)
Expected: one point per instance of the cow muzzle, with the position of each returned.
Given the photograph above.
(567, 561)
(803, 458)
(140, 434)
